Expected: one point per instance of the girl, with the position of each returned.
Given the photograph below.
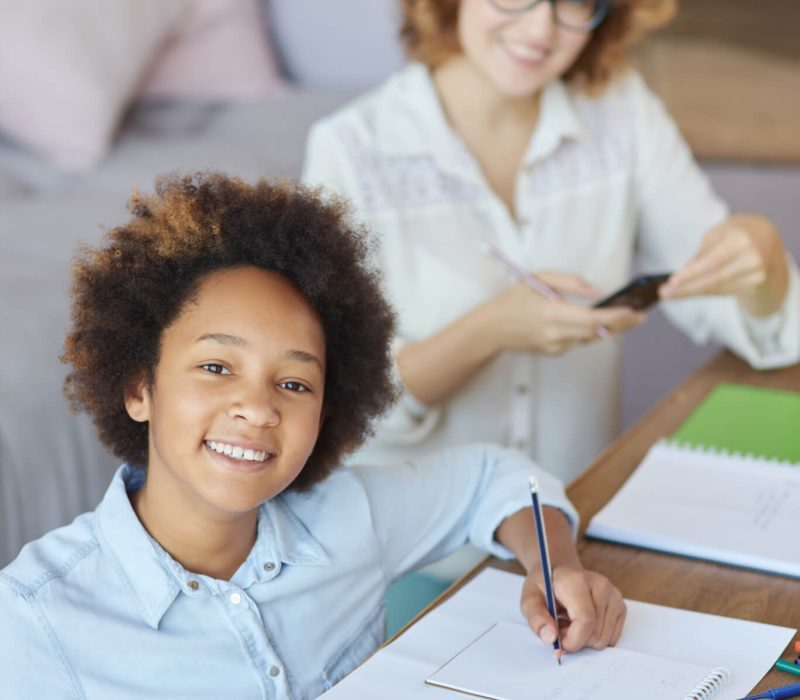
(231, 345)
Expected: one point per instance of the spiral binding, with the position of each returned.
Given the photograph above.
(709, 685)
(722, 452)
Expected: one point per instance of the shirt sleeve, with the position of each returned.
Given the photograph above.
(677, 206)
(424, 509)
(29, 666)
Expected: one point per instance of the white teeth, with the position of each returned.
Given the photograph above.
(238, 452)
(525, 52)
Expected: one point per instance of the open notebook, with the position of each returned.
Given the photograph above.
(702, 642)
(732, 509)
(506, 662)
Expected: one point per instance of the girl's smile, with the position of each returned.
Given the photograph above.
(236, 405)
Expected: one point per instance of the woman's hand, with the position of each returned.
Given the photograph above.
(593, 606)
(743, 256)
(524, 320)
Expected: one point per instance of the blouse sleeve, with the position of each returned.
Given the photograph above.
(676, 207)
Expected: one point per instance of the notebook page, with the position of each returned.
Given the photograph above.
(732, 509)
(507, 662)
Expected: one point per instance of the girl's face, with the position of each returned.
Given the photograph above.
(517, 53)
(237, 402)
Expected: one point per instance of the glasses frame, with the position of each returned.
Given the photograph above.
(596, 20)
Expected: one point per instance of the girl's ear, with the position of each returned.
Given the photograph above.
(137, 399)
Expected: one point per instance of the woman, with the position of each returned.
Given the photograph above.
(518, 124)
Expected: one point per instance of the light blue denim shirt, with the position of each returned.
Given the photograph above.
(97, 609)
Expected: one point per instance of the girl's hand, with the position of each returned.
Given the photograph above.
(524, 320)
(594, 608)
(742, 256)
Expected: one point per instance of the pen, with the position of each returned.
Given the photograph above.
(541, 538)
(530, 279)
(787, 666)
(788, 691)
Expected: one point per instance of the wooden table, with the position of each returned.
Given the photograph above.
(665, 579)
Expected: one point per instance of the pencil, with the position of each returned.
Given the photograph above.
(541, 538)
(527, 277)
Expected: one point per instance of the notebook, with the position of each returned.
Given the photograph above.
(725, 487)
(746, 420)
(398, 670)
(507, 662)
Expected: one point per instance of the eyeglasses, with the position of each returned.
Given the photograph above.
(573, 15)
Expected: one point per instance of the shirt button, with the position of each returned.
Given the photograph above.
(269, 566)
(522, 389)
(193, 585)
(274, 671)
(520, 444)
(236, 598)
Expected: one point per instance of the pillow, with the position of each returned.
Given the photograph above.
(69, 69)
(219, 51)
(336, 44)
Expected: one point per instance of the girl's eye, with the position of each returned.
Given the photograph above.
(294, 386)
(215, 368)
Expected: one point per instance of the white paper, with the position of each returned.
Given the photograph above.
(508, 663)
(731, 509)
(398, 671)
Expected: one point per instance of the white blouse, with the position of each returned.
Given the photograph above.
(602, 178)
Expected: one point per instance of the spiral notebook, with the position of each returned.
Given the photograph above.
(506, 662)
(723, 488)
(746, 419)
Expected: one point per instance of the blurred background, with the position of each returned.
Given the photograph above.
(97, 96)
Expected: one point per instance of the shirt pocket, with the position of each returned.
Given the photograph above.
(359, 646)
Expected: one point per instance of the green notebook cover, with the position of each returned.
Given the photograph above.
(747, 420)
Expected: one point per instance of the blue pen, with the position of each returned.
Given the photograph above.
(788, 691)
(545, 561)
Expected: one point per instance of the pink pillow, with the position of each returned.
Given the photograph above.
(219, 51)
(68, 69)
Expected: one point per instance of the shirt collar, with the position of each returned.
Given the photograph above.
(154, 579)
(413, 121)
(558, 121)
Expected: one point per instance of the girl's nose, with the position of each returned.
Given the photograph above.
(258, 408)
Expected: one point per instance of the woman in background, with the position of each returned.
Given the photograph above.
(517, 123)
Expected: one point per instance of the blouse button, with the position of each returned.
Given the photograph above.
(193, 585)
(522, 389)
(269, 566)
(236, 598)
(274, 671)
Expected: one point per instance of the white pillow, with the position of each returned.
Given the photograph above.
(68, 69)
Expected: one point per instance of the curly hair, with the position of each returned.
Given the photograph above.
(429, 34)
(128, 292)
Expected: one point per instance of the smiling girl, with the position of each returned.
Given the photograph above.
(231, 345)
